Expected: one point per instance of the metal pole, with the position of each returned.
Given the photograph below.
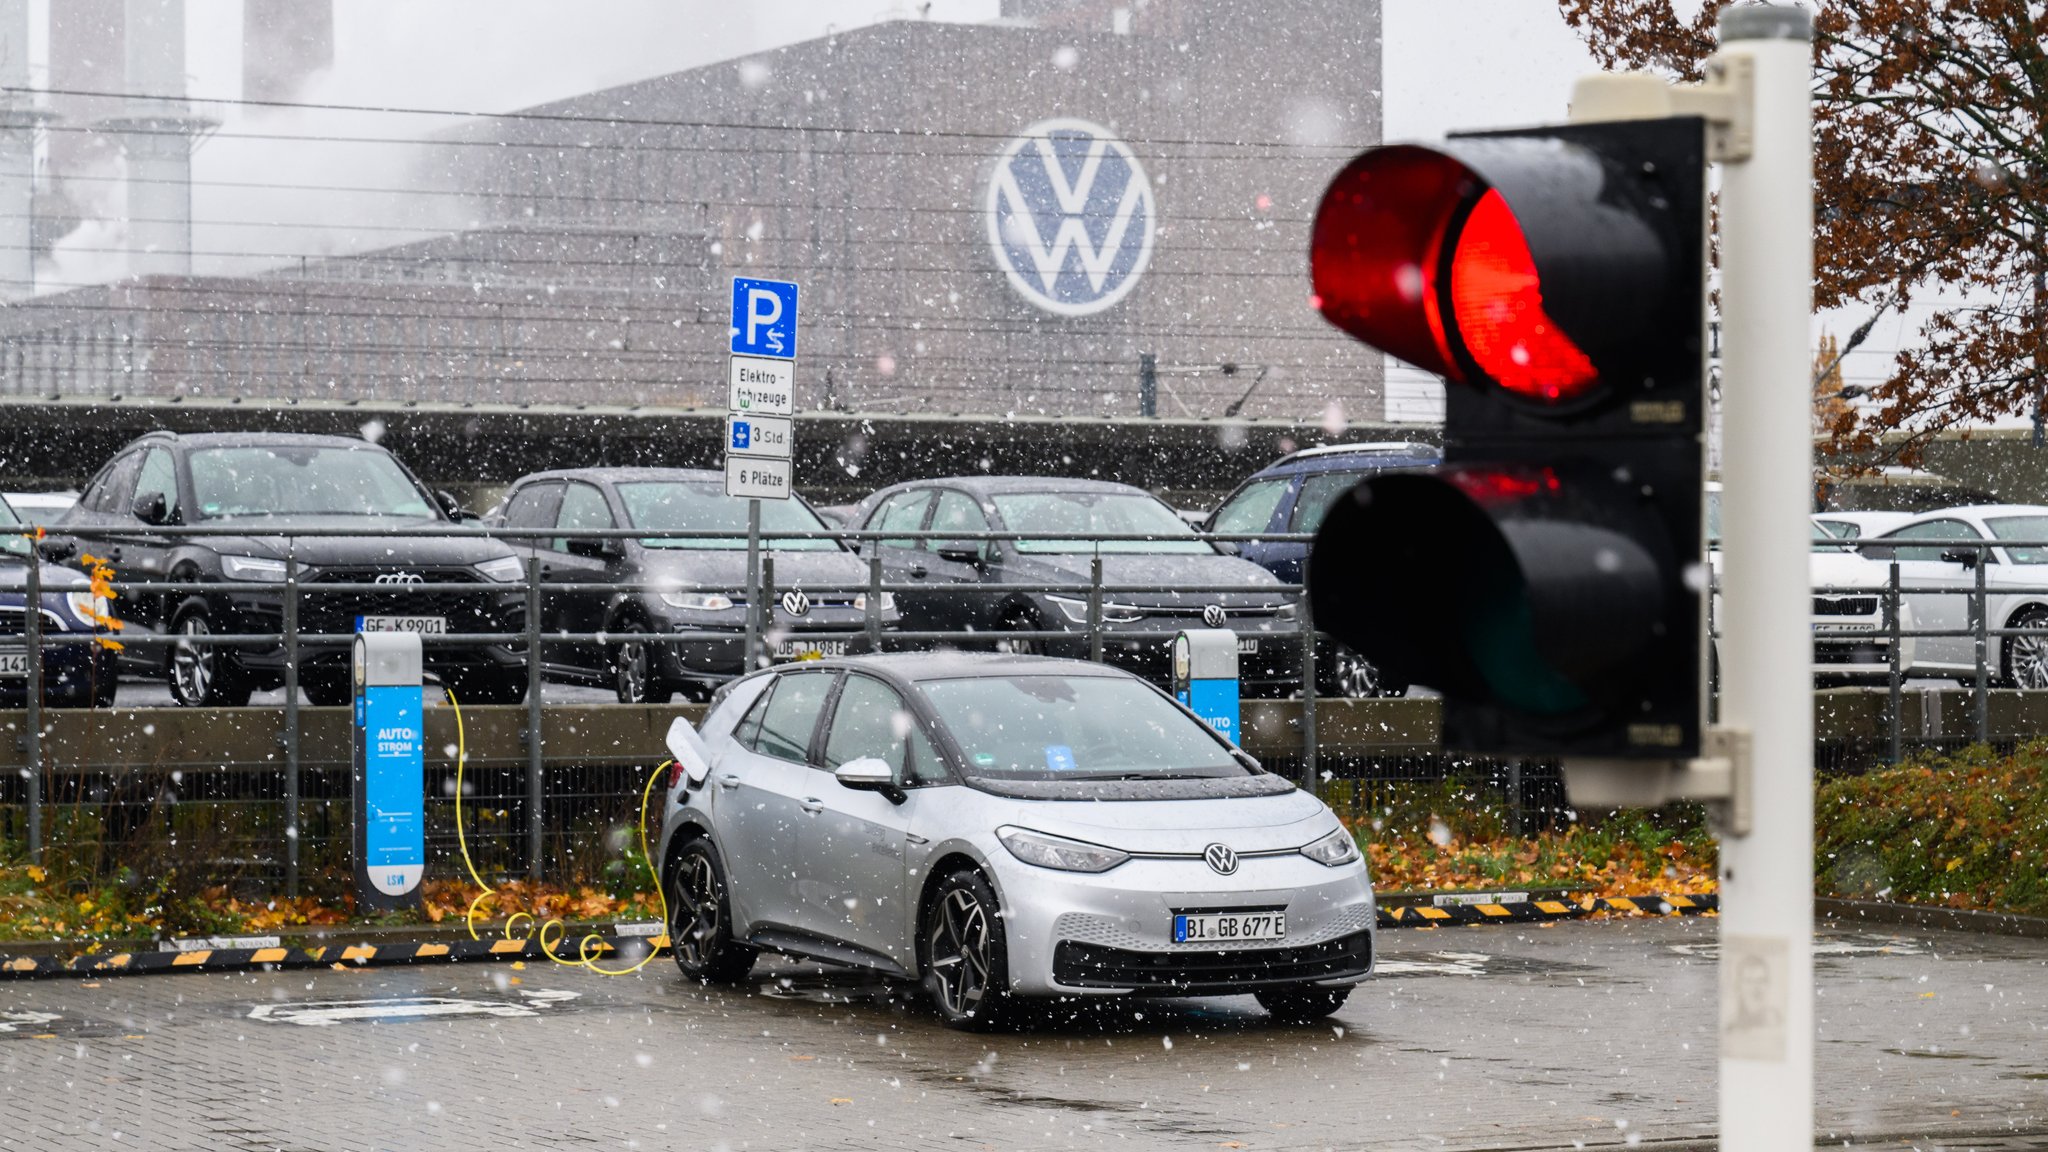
(1981, 624)
(753, 646)
(535, 771)
(1148, 385)
(1895, 659)
(767, 604)
(32, 688)
(874, 615)
(1766, 962)
(291, 722)
(1095, 608)
(1308, 699)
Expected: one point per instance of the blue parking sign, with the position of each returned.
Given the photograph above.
(763, 317)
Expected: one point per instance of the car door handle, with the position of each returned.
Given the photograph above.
(812, 804)
(729, 780)
(919, 572)
(914, 838)
(114, 553)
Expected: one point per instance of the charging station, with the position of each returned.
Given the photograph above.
(388, 761)
(1205, 677)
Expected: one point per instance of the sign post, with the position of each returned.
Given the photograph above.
(760, 429)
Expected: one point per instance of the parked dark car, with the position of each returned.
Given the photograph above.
(949, 573)
(1291, 495)
(693, 584)
(259, 487)
(78, 671)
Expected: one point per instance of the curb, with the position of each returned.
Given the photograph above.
(365, 955)
(1426, 916)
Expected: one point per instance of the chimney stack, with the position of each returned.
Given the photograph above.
(157, 132)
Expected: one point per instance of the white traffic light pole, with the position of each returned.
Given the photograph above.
(1766, 967)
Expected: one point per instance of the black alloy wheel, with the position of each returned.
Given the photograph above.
(2026, 657)
(700, 920)
(1302, 1003)
(1020, 620)
(487, 685)
(964, 962)
(202, 674)
(636, 669)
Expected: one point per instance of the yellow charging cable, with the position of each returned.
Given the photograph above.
(592, 946)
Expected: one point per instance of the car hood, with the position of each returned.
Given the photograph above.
(14, 576)
(728, 569)
(1164, 571)
(1837, 570)
(1279, 821)
(266, 537)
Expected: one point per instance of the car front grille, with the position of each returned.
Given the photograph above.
(322, 611)
(1079, 965)
(14, 621)
(1845, 605)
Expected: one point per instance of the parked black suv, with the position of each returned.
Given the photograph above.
(689, 583)
(257, 488)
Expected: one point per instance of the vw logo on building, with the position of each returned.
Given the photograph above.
(1212, 615)
(1221, 857)
(796, 603)
(1070, 216)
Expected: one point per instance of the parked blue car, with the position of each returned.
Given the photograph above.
(1291, 495)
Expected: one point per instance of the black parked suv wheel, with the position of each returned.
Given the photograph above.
(203, 675)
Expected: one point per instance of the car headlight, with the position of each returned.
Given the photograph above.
(1077, 611)
(251, 568)
(698, 601)
(860, 602)
(1288, 611)
(1058, 851)
(86, 606)
(505, 569)
(1336, 849)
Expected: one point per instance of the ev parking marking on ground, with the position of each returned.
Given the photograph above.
(324, 1013)
(21, 1022)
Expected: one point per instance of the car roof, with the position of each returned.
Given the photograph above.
(625, 475)
(253, 440)
(984, 486)
(1349, 457)
(917, 667)
(1982, 511)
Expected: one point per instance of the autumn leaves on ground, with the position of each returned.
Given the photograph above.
(1970, 831)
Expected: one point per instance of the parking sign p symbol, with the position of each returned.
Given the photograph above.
(764, 310)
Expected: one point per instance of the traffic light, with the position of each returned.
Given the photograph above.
(1549, 577)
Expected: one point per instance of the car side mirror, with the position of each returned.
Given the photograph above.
(959, 551)
(870, 774)
(686, 747)
(151, 508)
(1967, 557)
(596, 549)
(55, 551)
(450, 505)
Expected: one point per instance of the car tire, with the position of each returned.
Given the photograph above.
(1352, 677)
(962, 958)
(106, 681)
(1020, 620)
(2024, 659)
(203, 675)
(1301, 1003)
(636, 668)
(700, 919)
(489, 686)
(325, 691)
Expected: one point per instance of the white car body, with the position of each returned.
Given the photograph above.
(1938, 575)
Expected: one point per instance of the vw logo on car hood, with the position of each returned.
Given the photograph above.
(1070, 216)
(1221, 857)
(399, 578)
(1212, 615)
(795, 602)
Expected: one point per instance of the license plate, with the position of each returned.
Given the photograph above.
(422, 625)
(1229, 927)
(809, 649)
(13, 665)
(1247, 645)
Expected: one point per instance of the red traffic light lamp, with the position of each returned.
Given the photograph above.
(1547, 578)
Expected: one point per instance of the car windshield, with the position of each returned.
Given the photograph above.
(703, 506)
(304, 480)
(13, 541)
(1089, 514)
(1050, 727)
(2029, 529)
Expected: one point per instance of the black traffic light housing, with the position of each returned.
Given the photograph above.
(1549, 578)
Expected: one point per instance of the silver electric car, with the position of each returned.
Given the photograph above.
(1001, 827)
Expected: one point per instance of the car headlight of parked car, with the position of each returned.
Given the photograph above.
(1058, 851)
(698, 601)
(1077, 610)
(251, 568)
(1336, 849)
(505, 569)
(860, 602)
(85, 606)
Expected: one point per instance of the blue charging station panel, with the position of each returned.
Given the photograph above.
(389, 760)
(1205, 677)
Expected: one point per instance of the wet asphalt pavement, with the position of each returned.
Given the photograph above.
(1515, 1037)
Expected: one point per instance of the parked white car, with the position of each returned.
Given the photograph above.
(1851, 633)
(1857, 525)
(1938, 555)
